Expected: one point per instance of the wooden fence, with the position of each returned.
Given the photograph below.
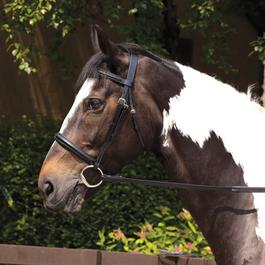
(28, 255)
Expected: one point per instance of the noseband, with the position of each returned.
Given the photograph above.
(125, 103)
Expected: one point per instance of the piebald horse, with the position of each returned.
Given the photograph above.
(202, 130)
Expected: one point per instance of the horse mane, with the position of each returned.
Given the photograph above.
(91, 67)
(142, 51)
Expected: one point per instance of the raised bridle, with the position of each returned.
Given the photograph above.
(125, 105)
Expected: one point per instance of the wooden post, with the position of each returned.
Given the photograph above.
(30, 255)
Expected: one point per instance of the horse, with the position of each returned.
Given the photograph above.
(202, 130)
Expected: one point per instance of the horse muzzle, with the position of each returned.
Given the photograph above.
(68, 198)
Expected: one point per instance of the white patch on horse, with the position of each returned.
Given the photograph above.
(206, 104)
(165, 141)
(82, 94)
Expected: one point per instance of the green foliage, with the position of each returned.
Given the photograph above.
(147, 29)
(145, 24)
(23, 17)
(167, 231)
(7, 196)
(21, 56)
(23, 145)
(205, 16)
(259, 47)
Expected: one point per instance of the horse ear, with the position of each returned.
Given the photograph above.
(102, 43)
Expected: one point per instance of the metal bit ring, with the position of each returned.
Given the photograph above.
(84, 180)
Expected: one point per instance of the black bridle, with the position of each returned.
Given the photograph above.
(125, 104)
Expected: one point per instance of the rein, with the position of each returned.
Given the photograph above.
(125, 103)
(181, 185)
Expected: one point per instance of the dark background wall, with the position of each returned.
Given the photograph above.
(50, 92)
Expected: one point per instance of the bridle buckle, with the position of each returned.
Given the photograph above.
(123, 102)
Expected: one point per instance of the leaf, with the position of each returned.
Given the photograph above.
(7, 196)
(192, 227)
(132, 11)
(171, 228)
(102, 237)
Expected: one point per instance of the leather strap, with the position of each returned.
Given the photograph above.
(180, 185)
(71, 147)
(123, 104)
(116, 78)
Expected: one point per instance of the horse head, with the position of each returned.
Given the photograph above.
(88, 123)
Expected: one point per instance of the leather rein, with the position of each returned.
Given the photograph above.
(125, 105)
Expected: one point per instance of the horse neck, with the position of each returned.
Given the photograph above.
(199, 152)
(227, 220)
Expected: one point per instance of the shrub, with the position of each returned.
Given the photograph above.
(23, 145)
(178, 233)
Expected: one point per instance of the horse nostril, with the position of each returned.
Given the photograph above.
(48, 188)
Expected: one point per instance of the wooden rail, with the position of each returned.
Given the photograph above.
(29, 255)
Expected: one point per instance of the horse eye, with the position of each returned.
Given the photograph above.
(93, 104)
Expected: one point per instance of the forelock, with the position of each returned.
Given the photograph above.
(90, 70)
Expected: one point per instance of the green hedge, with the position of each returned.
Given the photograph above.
(177, 233)
(23, 145)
